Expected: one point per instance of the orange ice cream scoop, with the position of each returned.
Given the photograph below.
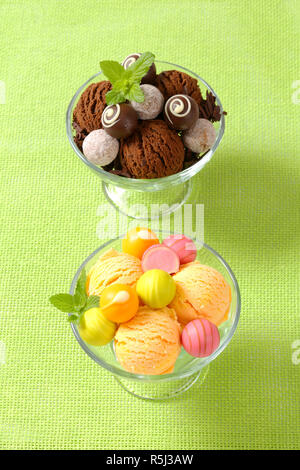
(111, 268)
(201, 292)
(149, 344)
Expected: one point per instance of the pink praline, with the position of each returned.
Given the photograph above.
(160, 257)
(200, 337)
(183, 246)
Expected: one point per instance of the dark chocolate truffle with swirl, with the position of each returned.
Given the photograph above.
(150, 76)
(181, 112)
(119, 120)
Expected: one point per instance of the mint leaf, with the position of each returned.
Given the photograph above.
(112, 70)
(73, 318)
(126, 82)
(80, 295)
(114, 97)
(135, 93)
(140, 67)
(63, 302)
(78, 303)
(81, 283)
(79, 300)
(92, 301)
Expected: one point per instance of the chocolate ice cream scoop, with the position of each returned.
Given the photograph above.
(79, 136)
(90, 106)
(173, 82)
(153, 151)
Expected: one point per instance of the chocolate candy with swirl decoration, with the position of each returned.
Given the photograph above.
(150, 75)
(181, 112)
(119, 120)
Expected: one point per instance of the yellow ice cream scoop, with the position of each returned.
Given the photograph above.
(150, 342)
(113, 267)
(95, 329)
(156, 288)
(201, 292)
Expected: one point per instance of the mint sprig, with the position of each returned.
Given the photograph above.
(112, 70)
(75, 304)
(126, 83)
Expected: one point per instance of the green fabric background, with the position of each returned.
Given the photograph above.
(52, 395)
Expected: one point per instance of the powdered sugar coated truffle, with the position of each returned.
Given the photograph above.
(152, 105)
(100, 148)
(200, 137)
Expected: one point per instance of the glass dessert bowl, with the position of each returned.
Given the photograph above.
(148, 198)
(188, 369)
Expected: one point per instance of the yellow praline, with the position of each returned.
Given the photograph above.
(95, 328)
(156, 288)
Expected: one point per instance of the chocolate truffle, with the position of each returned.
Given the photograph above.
(153, 151)
(119, 120)
(181, 112)
(88, 111)
(173, 82)
(152, 104)
(100, 148)
(200, 137)
(150, 75)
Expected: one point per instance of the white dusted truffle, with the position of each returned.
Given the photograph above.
(152, 105)
(100, 148)
(200, 137)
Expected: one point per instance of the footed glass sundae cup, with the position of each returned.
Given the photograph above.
(188, 370)
(148, 198)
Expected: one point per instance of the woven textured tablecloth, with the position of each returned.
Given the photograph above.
(51, 394)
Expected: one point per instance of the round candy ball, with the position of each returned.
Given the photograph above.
(137, 240)
(183, 246)
(156, 288)
(152, 105)
(100, 148)
(119, 120)
(95, 328)
(150, 75)
(200, 337)
(119, 303)
(181, 112)
(160, 257)
(200, 137)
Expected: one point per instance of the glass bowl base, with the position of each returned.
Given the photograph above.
(162, 391)
(147, 205)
